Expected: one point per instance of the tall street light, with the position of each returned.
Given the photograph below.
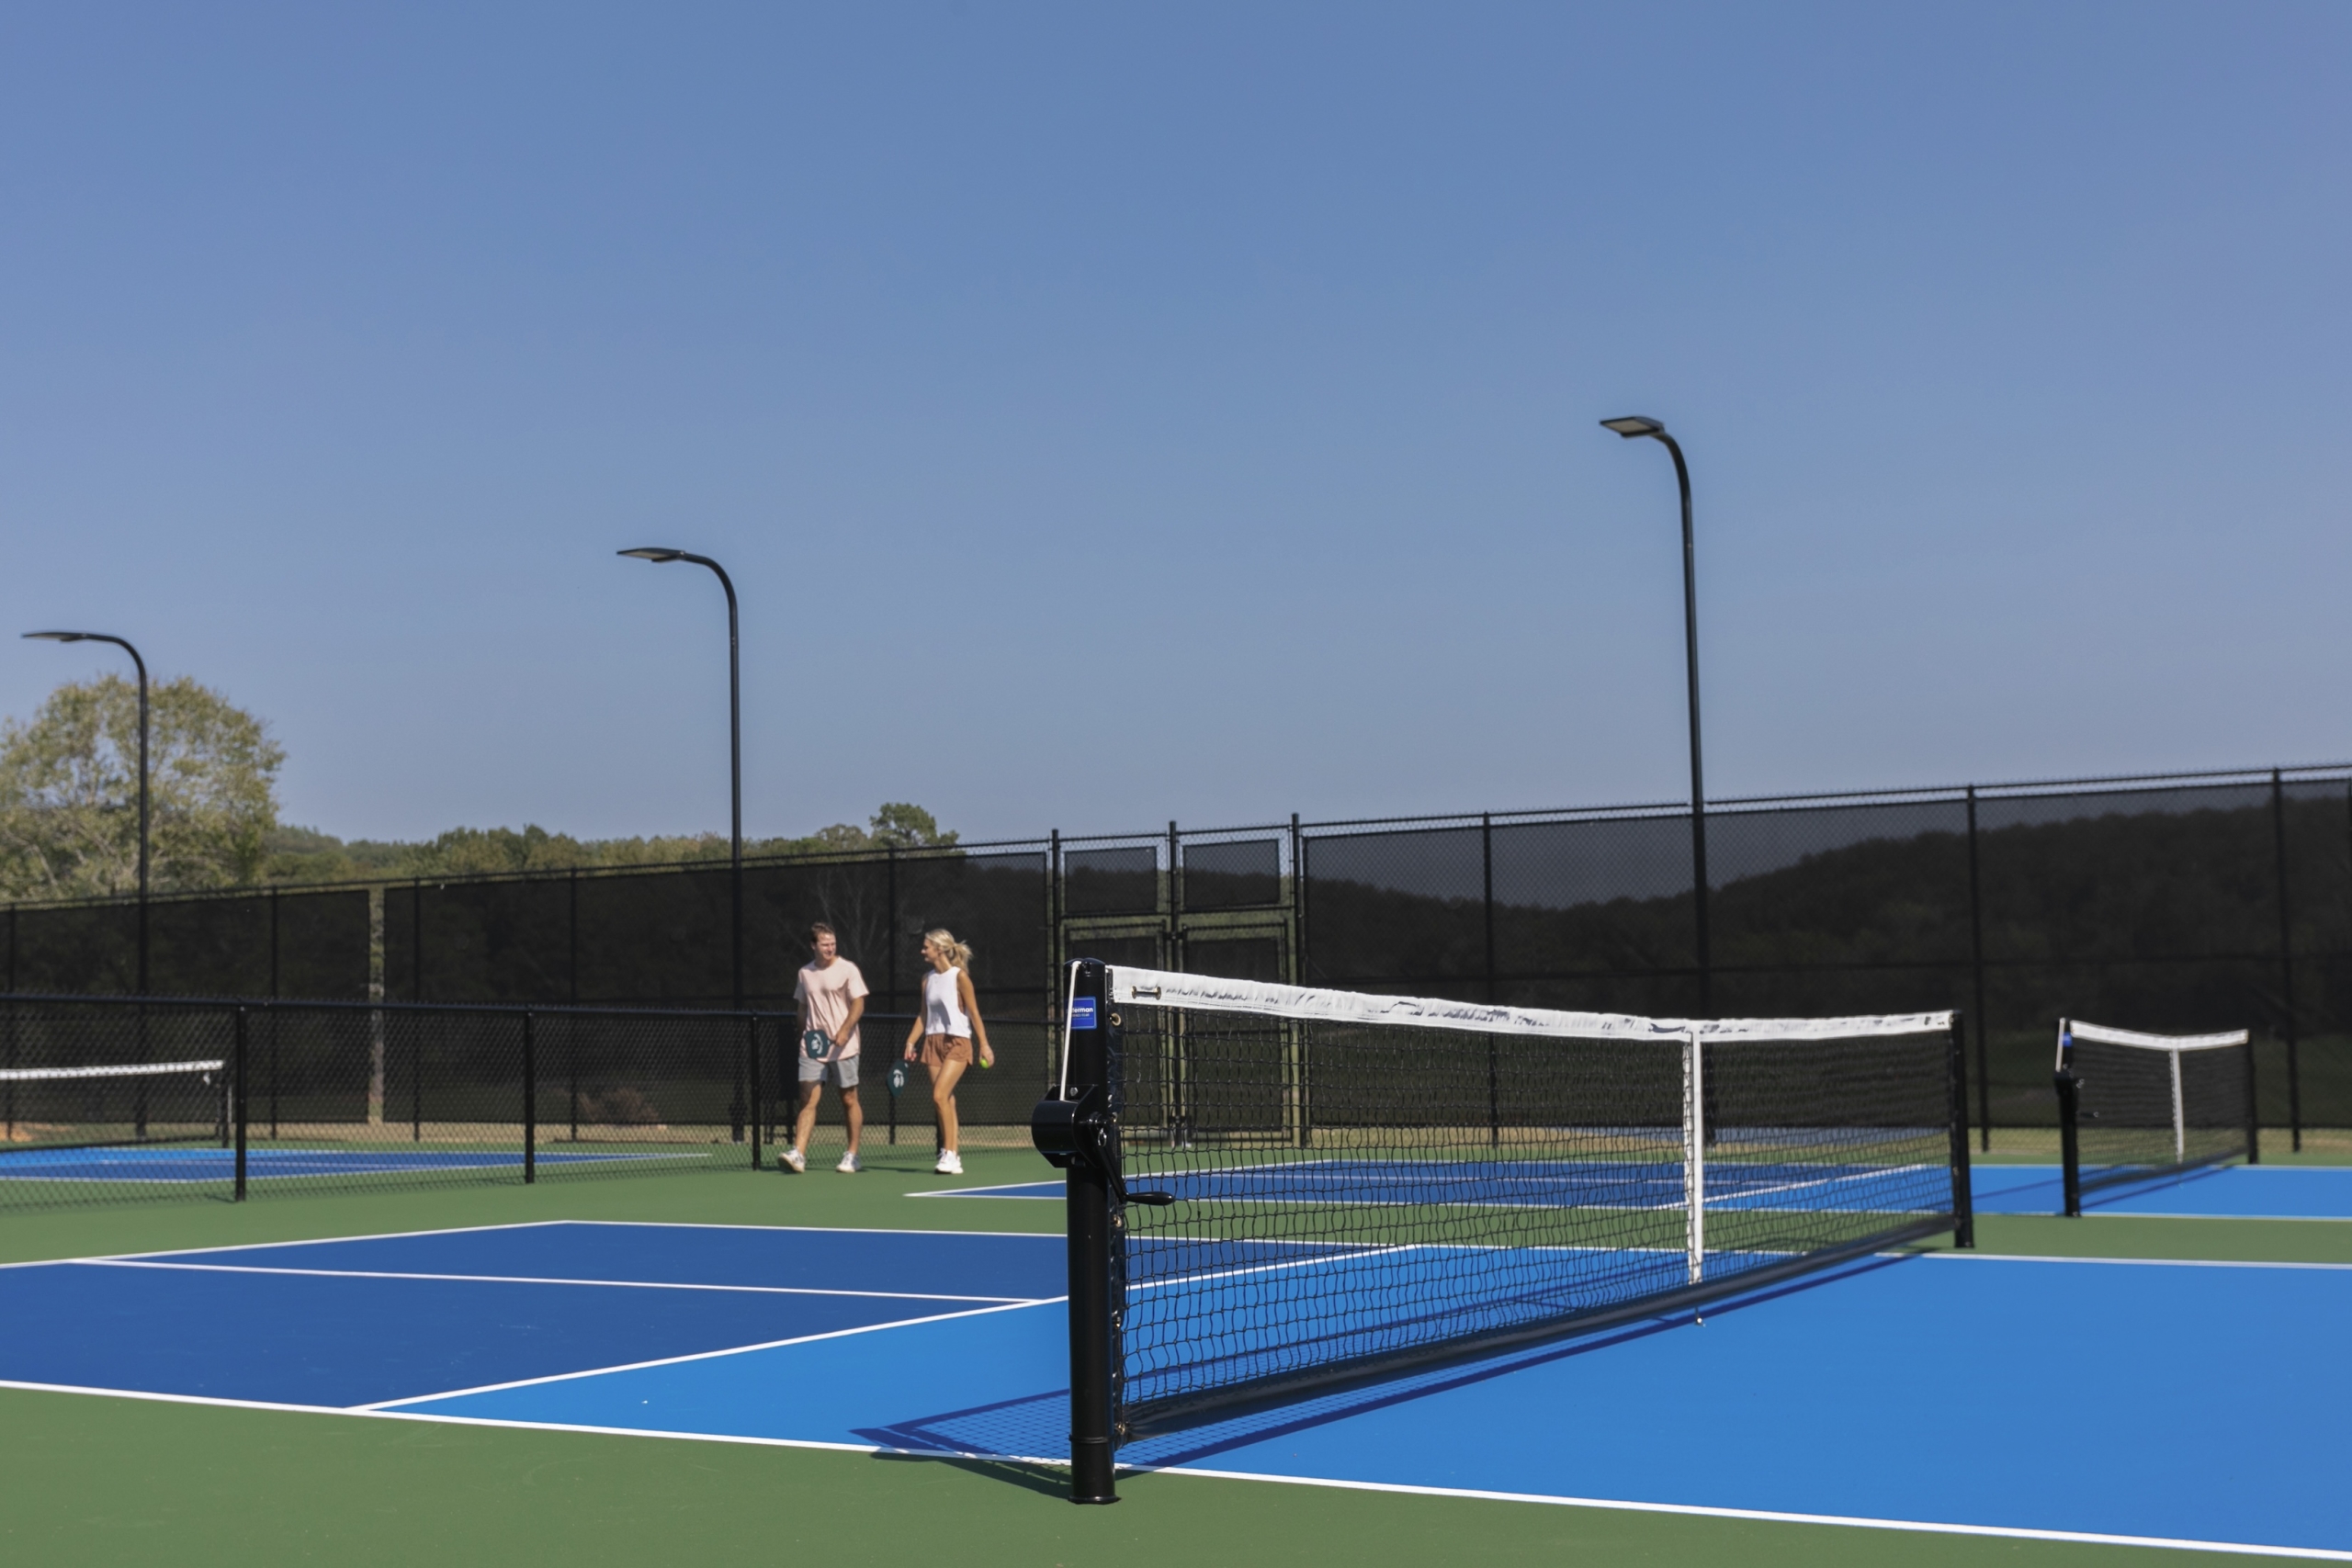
(125, 645)
(1633, 427)
(734, 738)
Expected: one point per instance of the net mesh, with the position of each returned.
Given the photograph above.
(2146, 1110)
(114, 1104)
(1350, 1196)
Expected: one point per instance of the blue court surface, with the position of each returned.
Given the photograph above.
(167, 1164)
(2246, 1192)
(1943, 1391)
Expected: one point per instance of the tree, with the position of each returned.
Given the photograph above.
(69, 791)
(901, 825)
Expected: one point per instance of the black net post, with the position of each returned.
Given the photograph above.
(2069, 1142)
(1076, 1128)
(1964, 1210)
(530, 1100)
(237, 1103)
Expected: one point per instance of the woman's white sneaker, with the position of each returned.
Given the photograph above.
(949, 1164)
(849, 1164)
(796, 1160)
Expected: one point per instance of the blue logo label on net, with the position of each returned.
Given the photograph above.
(1081, 1012)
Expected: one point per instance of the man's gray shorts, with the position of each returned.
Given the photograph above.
(840, 1075)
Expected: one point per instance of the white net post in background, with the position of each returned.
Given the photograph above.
(2137, 1107)
(1694, 1154)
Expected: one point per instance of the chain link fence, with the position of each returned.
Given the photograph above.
(2180, 903)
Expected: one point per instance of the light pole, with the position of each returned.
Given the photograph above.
(734, 740)
(1633, 427)
(124, 644)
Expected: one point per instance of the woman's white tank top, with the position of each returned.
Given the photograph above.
(943, 1009)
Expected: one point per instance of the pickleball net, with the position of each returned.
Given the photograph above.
(110, 1104)
(2137, 1107)
(1316, 1186)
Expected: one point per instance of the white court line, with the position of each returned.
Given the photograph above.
(1001, 1189)
(1270, 1268)
(703, 1355)
(823, 1229)
(539, 1280)
(2008, 1532)
(1972, 1256)
(258, 1245)
(2097, 1213)
(513, 1225)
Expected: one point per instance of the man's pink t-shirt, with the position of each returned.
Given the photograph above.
(825, 995)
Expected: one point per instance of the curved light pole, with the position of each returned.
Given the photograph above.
(734, 740)
(1633, 427)
(124, 644)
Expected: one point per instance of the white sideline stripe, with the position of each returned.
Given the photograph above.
(257, 1245)
(827, 1230)
(702, 1354)
(1208, 993)
(538, 1280)
(2010, 1532)
(127, 1070)
(2099, 1211)
(2105, 1035)
(2321, 1554)
(1271, 1267)
(2135, 1262)
(1001, 1189)
(467, 1229)
(439, 1419)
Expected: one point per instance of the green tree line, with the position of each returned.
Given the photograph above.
(69, 809)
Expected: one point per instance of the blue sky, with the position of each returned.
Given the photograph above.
(1111, 414)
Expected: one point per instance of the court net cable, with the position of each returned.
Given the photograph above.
(1273, 1189)
(2135, 1107)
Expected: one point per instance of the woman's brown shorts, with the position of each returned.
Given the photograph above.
(938, 1050)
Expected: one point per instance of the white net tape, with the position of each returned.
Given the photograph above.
(1210, 993)
(124, 1070)
(2077, 1029)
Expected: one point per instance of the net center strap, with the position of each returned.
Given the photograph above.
(1210, 993)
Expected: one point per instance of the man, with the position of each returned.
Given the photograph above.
(831, 994)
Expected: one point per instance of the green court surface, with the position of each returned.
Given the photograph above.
(103, 1480)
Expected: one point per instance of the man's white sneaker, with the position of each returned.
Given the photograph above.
(849, 1166)
(794, 1160)
(949, 1164)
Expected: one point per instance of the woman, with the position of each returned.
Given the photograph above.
(946, 1030)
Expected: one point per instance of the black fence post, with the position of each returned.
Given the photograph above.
(759, 1099)
(1494, 1042)
(1963, 1198)
(237, 1094)
(2286, 966)
(530, 1100)
(1976, 964)
(2252, 1110)
(1297, 976)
